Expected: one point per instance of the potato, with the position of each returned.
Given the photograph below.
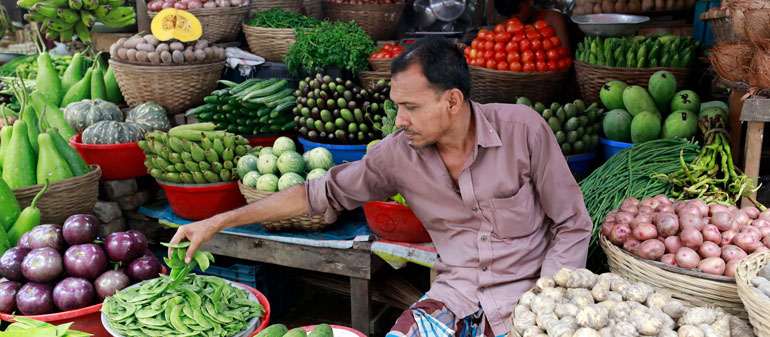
(592, 316)
(114, 50)
(674, 308)
(177, 56)
(739, 328)
(123, 54)
(154, 57)
(620, 285)
(615, 296)
(608, 6)
(189, 56)
(531, 332)
(764, 272)
(133, 42)
(624, 329)
(601, 291)
(546, 320)
(525, 321)
(571, 321)
(696, 316)
(131, 54)
(145, 47)
(555, 294)
(586, 332)
(606, 332)
(621, 6)
(710, 249)
(581, 278)
(560, 330)
(765, 288)
(200, 55)
(687, 258)
(151, 40)
(562, 276)
(520, 309)
(543, 283)
(609, 304)
(567, 309)
(652, 249)
(526, 298)
(176, 46)
(637, 292)
(141, 56)
(120, 42)
(722, 326)
(620, 311)
(758, 280)
(209, 53)
(542, 304)
(668, 322)
(165, 57)
(658, 300)
(647, 325)
(201, 45)
(708, 331)
(580, 296)
(161, 47)
(668, 333)
(690, 331)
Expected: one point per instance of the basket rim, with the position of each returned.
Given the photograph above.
(163, 65)
(211, 11)
(245, 26)
(576, 62)
(351, 5)
(518, 73)
(96, 170)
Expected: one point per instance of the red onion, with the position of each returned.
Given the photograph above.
(180, 5)
(168, 4)
(193, 4)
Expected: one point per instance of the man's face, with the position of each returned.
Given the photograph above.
(422, 110)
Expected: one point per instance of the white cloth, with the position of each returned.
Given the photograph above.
(242, 60)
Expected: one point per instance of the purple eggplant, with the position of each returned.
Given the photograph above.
(10, 263)
(73, 293)
(87, 261)
(42, 265)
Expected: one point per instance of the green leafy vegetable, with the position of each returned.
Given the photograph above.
(279, 18)
(339, 44)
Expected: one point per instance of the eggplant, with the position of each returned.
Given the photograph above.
(336, 113)
(340, 135)
(339, 80)
(311, 103)
(322, 135)
(377, 118)
(365, 106)
(341, 102)
(332, 86)
(340, 90)
(335, 95)
(327, 79)
(296, 119)
(295, 111)
(302, 121)
(319, 77)
(324, 95)
(315, 84)
(305, 112)
(359, 97)
(312, 134)
(324, 87)
(375, 107)
(310, 122)
(321, 103)
(303, 101)
(361, 136)
(297, 93)
(330, 127)
(311, 95)
(305, 90)
(303, 131)
(348, 95)
(331, 137)
(349, 84)
(308, 79)
(317, 92)
(352, 137)
(372, 136)
(315, 113)
(363, 127)
(352, 105)
(331, 104)
(368, 116)
(376, 96)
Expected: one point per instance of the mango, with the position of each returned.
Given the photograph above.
(617, 125)
(662, 87)
(686, 100)
(645, 127)
(637, 100)
(611, 95)
(680, 124)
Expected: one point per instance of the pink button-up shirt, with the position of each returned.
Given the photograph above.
(515, 214)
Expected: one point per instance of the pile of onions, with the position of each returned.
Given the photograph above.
(689, 234)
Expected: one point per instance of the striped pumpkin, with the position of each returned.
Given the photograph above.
(81, 115)
(112, 132)
(150, 117)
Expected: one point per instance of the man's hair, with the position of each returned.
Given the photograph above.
(442, 62)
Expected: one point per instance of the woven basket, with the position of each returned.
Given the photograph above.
(64, 198)
(313, 9)
(699, 291)
(378, 21)
(266, 5)
(218, 24)
(720, 24)
(270, 43)
(304, 223)
(496, 86)
(759, 310)
(380, 64)
(175, 87)
(592, 77)
(370, 78)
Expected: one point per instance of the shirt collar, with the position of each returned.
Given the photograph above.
(486, 136)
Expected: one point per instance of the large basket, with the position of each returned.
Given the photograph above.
(378, 21)
(720, 24)
(380, 64)
(700, 291)
(305, 223)
(76, 195)
(759, 310)
(497, 86)
(175, 87)
(592, 77)
(266, 5)
(270, 43)
(369, 78)
(220, 23)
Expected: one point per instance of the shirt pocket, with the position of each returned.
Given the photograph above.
(514, 217)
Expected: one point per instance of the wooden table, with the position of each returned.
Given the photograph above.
(756, 112)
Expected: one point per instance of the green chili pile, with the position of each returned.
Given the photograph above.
(279, 18)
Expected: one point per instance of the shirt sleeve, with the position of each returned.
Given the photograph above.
(350, 185)
(562, 201)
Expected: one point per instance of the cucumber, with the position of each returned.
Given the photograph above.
(200, 109)
(286, 106)
(264, 119)
(244, 85)
(275, 103)
(267, 91)
(264, 111)
(280, 120)
(264, 129)
(258, 86)
(279, 95)
(288, 126)
(227, 83)
(211, 99)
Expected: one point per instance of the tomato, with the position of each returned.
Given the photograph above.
(502, 65)
(547, 44)
(518, 37)
(527, 56)
(528, 28)
(482, 35)
(561, 64)
(513, 57)
(512, 21)
(535, 44)
(377, 55)
(500, 46)
(474, 53)
(540, 55)
(524, 45)
(547, 32)
(515, 66)
(491, 64)
(499, 56)
(373, 55)
(556, 42)
(488, 54)
(541, 66)
(514, 28)
(563, 52)
(467, 51)
(552, 65)
(533, 35)
(511, 47)
(480, 62)
(553, 55)
(502, 37)
(528, 67)
(489, 45)
(540, 24)
(475, 43)
(499, 29)
(387, 47)
(568, 62)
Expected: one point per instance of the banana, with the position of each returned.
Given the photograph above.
(87, 18)
(119, 23)
(27, 3)
(83, 33)
(68, 15)
(46, 9)
(59, 25)
(66, 35)
(51, 34)
(115, 3)
(60, 3)
(101, 11)
(90, 4)
(119, 14)
(34, 17)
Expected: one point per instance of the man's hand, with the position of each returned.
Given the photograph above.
(197, 233)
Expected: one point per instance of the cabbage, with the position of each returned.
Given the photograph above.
(291, 161)
(250, 179)
(268, 183)
(288, 180)
(316, 173)
(267, 164)
(246, 164)
(320, 158)
(283, 144)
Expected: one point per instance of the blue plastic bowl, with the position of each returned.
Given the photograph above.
(581, 163)
(341, 153)
(612, 147)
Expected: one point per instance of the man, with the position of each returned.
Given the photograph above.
(489, 183)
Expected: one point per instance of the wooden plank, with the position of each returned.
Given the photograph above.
(756, 110)
(142, 18)
(753, 153)
(360, 305)
(736, 129)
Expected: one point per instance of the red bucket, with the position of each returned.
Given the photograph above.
(268, 140)
(118, 161)
(395, 222)
(202, 201)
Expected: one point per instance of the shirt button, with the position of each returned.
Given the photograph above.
(483, 238)
(474, 209)
(484, 268)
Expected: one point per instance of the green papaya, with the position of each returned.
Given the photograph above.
(80, 91)
(73, 74)
(9, 206)
(275, 330)
(114, 94)
(686, 100)
(322, 330)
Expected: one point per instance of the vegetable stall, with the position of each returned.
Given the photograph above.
(167, 112)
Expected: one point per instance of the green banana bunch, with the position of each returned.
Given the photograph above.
(64, 19)
(657, 50)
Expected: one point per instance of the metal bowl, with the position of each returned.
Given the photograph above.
(609, 25)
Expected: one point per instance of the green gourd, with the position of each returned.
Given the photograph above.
(49, 163)
(9, 207)
(74, 72)
(54, 117)
(114, 94)
(19, 166)
(29, 116)
(98, 91)
(75, 162)
(28, 219)
(79, 91)
(5, 140)
(47, 81)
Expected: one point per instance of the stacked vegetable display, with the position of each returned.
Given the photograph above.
(256, 106)
(63, 268)
(688, 234)
(182, 302)
(147, 49)
(658, 50)
(279, 167)
(630, 6)
(342, 45)
(576, 126)
(639, 115)
(339, 112)
(102, 122)
(66, 19)
(194, 154)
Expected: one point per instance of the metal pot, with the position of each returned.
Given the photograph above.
(447, 10)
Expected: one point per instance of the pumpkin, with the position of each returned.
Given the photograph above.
(177, 24)
(81, 115)
(112, 132)
(149, 116)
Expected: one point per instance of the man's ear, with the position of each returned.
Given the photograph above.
(455, 100)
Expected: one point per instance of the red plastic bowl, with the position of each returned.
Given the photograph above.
(86, 319)
(118, 161)
(341, 331)
(395, 222)
(265, 320)
(198, 202)
(266, 141)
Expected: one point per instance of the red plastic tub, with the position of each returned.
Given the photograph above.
(268, 140)
(118, 161)
(339, 330)
(202, 201)
(394, 222)
(265, 320)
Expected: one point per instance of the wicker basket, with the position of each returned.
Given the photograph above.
(175, 87)
(219, 24)
(370, 78)
(270, 43)
(305, 223)
(378, 21)
(495, 86)
(381, 65)
(759, 310)
(592, 77)
(699, 291)
(76, 195)
(266, 5)
(720, 24)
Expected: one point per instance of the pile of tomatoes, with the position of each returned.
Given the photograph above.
(388, 51)
(518, 47)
